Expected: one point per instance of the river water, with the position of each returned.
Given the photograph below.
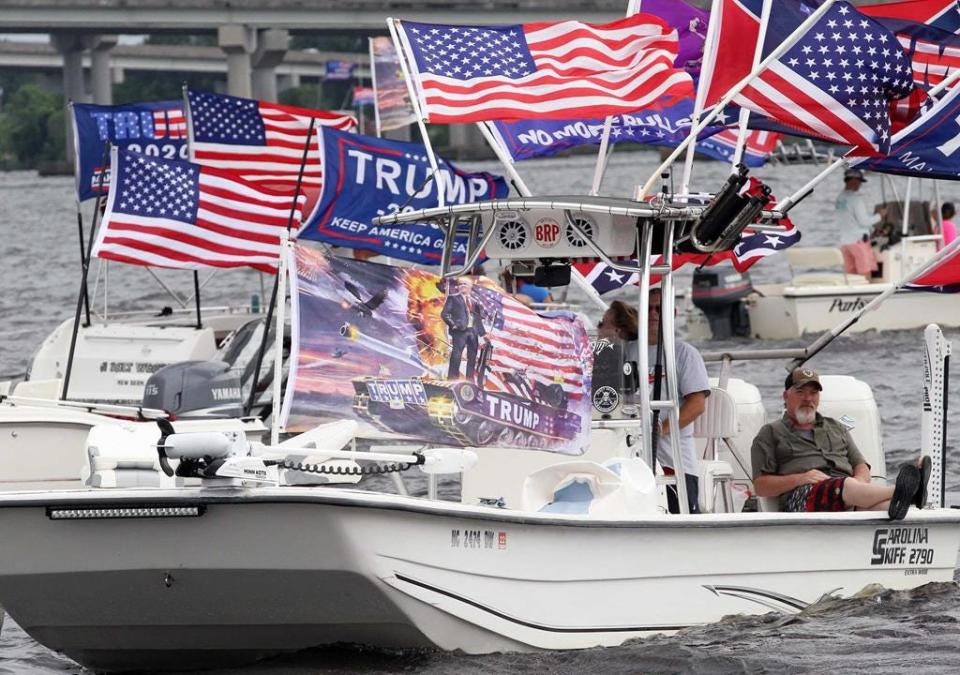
(882, 631)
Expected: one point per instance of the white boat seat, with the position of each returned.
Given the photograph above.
(768, 504)
(719, 425)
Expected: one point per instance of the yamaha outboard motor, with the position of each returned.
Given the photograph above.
(195, 389)
(718, 292)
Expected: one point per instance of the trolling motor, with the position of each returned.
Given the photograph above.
(732, 210)
(211, 454)
(229, 455)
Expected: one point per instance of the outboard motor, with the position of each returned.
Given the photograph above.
(195, 389)
(718, 293)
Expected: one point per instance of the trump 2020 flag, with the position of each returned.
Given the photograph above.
(262, 142)
(367, 177)
(928, 147)
(173, 213)
(158, 129)
(448, 361)
(542, 70)
(835, 83)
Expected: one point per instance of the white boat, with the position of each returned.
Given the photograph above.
(813, 302)
(188, 575)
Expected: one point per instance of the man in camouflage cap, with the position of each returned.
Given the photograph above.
(812, 464)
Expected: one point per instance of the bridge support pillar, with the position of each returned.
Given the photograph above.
(72, 48)
(101, 81)
(238, 42)
(271, 48)
(291, 80)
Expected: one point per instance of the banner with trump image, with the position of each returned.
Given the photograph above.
(447, 361)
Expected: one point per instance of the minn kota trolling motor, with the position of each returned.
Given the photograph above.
(228, 456)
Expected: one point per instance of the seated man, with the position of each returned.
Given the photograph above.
(812, 464)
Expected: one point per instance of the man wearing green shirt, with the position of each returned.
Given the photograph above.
(812, 464)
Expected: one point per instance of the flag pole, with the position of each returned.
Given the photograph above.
(83, 259)
(399, 42)
(524, 191)
(276, 285)
(196, 296)
(792, 39)
(373, 81)
(603, 155)
(744, 112)
(84, 271)
(278, 340)
(703, 84)
(839, 329)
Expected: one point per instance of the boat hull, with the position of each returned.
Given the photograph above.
(783, 313)
(269, 571)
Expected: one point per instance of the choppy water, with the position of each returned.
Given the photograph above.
(882, 632)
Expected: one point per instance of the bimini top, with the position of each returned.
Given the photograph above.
(614, 206)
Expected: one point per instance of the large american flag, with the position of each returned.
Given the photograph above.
(173, 213)
(263, 142)
(543, 70)
(836, 83)
(535, 348)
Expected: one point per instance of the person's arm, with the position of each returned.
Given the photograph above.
(862, 472)
(774, 485)
(692, 407)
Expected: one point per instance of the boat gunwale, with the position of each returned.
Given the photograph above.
(351, 498)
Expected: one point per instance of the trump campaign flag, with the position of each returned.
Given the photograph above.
(928, 147)
(173, 213)
(158, 129)
(262, 142)
(835, 83)
(542, 70)
(366, 177)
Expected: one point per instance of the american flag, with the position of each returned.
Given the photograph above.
(528, 348)
(835, 83)
(543, 70)
(263, 142)
(170, 123)
(173, 213)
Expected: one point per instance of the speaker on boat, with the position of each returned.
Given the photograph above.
(718, 293)
(195, 389)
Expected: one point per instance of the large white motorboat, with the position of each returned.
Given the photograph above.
(230, 562)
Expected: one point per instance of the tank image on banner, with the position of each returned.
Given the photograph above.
(451, 361)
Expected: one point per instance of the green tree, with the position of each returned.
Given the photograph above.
(32, 126)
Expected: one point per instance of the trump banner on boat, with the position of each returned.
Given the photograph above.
(667, 127)
(366, 177)
(156, 129)
(450, 361)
